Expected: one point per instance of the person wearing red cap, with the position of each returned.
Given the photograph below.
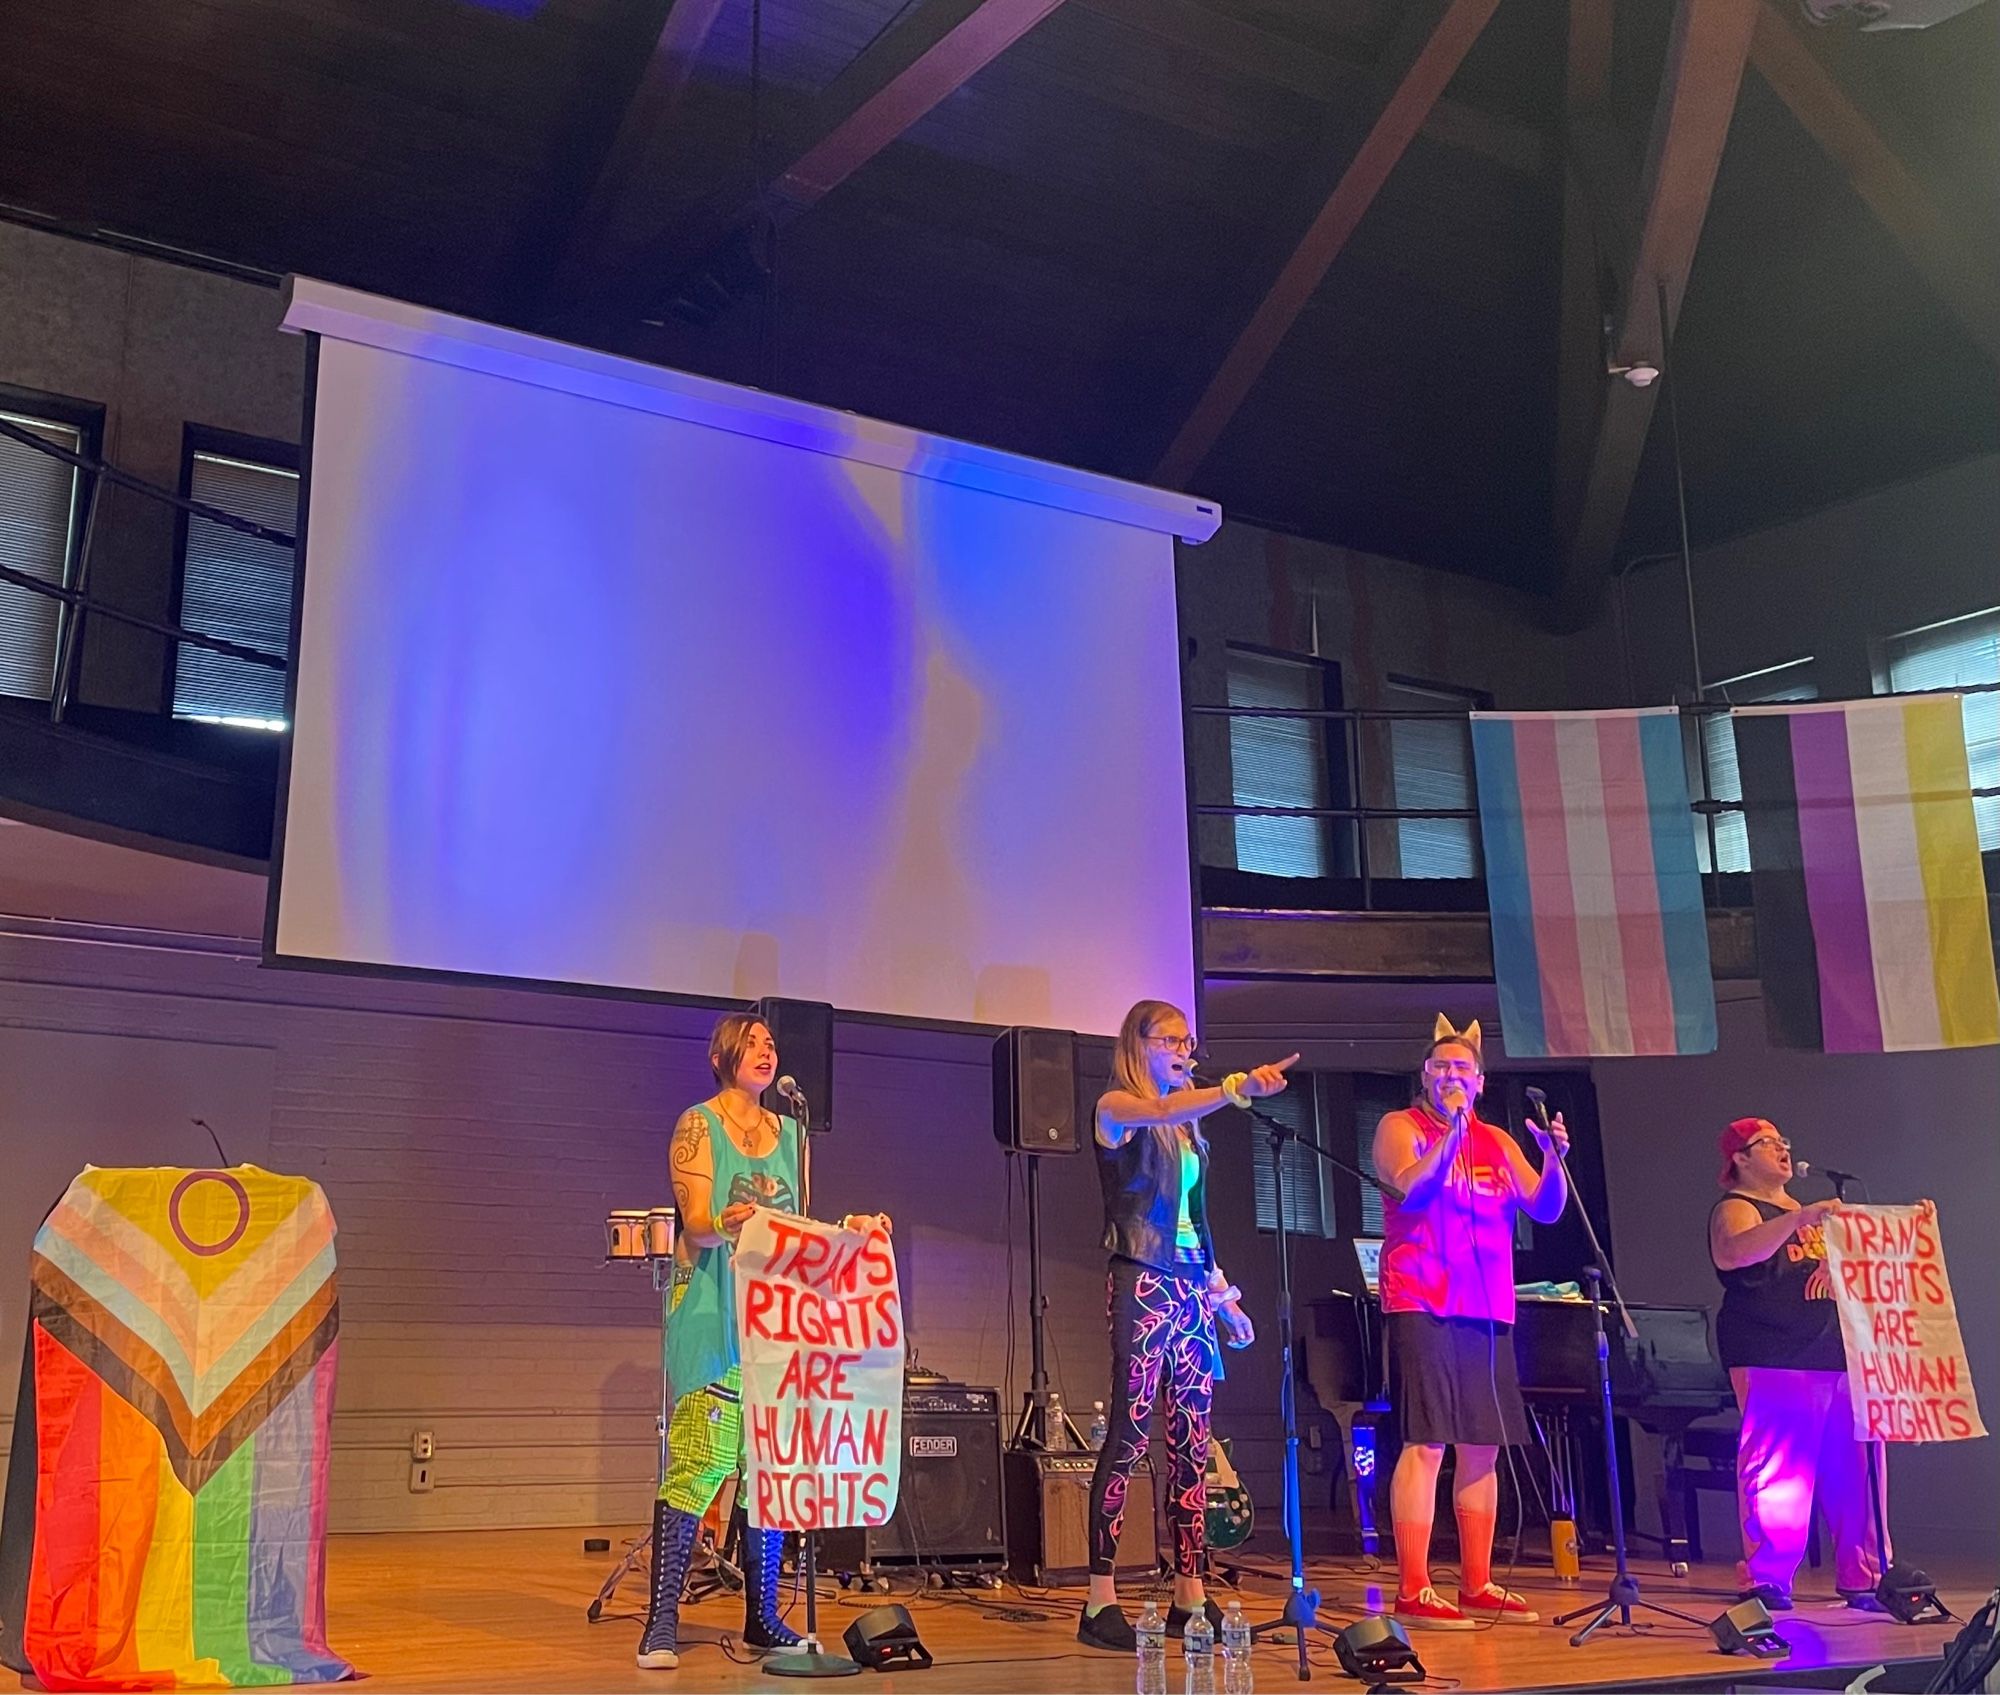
(1778, 1335)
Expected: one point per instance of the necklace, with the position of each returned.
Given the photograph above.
(747, 1136)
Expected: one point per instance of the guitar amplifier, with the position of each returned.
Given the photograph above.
(949, 1509)
(1048, 1518)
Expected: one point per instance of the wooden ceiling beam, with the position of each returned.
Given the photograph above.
(648, 116)
(1414, 72)
(1958, 256)
(1301, 68)
(1589, 203)
(937, 47)
(1704, 69)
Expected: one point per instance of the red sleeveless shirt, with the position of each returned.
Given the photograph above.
(1454, 1257)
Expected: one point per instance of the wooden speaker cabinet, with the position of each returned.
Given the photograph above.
(1048, 1518)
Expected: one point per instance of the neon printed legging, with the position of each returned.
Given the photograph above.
(1161, 1330)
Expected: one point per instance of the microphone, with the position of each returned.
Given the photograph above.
(1802, 1168)
(788, 1087)
(1834, 1176)
(1538, 1109)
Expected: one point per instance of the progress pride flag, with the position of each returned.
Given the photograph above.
(1906, 1370)
(820, 1315)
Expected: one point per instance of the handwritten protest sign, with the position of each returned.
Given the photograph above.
(820, 1317)
(1906, 1370)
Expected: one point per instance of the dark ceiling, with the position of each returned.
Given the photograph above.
(1056, 218)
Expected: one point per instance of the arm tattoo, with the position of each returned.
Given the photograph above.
(690, 1141)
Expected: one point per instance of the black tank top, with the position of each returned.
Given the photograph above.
(1780, 1311)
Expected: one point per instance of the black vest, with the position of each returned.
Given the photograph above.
(1780, 1311)
(1141, 1180)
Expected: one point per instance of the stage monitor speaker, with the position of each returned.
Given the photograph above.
(803, 1031)
(1048, 1518)
(949, 1512)
(1034, 1091)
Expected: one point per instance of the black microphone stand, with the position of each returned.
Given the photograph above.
(1623, 1594)
(1301, 1610)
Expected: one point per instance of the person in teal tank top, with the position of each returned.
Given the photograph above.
(729, 1158)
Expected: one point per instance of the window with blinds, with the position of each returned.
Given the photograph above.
(1376, 1095)
(1279, 762)
(1953, 655)
(237, 588)
(1432, 766)
(1790, 681)
(1306, 1209)
(38, 525)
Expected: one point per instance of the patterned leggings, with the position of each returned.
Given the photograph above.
(1161, 1326)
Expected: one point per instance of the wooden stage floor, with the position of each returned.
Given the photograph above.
(505, 1611)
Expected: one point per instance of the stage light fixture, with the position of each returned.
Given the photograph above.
(1909, 1596)
(1746, 1628)
(1378, 1651)
(885, 1637)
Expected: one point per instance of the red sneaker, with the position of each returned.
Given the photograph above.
(1428, 1610)
(1493, 1602)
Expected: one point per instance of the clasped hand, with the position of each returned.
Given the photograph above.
(1230, 1318)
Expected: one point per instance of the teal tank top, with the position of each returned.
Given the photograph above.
(701, 1319)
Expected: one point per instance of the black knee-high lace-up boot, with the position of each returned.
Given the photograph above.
(763, 1627)
(673, 1542)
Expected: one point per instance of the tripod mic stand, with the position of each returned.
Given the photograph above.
(1301, 1610)
(1623, 1594)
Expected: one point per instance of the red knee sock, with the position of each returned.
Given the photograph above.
(1413, 1556)
(1475, 1549)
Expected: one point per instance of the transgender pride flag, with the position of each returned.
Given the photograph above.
(1600, 942)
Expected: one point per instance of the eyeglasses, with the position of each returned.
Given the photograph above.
(1769, 1142)
(1179, 1044)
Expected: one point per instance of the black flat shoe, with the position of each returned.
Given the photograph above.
(1177, 1620)
(1775, 1599)
(1107, 1628)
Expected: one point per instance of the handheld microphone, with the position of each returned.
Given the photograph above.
(1538, 1109)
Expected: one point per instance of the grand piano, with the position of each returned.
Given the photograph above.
(1661, 1382)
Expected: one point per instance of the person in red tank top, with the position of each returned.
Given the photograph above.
(1448, 1312)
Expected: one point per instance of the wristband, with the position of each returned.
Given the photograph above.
(1232, 1088)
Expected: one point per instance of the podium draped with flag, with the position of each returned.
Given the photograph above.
(165, 1523)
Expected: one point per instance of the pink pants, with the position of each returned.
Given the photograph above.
(1798, 1442)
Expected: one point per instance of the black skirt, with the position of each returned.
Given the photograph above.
(1453, 1380)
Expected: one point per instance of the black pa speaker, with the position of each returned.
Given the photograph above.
(949, 1511)
(1034, 1091)
(803, 1031)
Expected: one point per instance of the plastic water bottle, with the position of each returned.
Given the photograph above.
(1198, 1645)
(1152, 1633)
(1100, 1426)
(1236, 1675)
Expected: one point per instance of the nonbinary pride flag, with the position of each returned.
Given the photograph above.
(1600, 943)
(1872, 926)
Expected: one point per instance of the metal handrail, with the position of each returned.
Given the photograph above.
(1705, 808)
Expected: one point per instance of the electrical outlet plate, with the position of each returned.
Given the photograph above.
(420, 1477)
(423, 1446)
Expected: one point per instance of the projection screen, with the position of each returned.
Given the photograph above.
(612, 676)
